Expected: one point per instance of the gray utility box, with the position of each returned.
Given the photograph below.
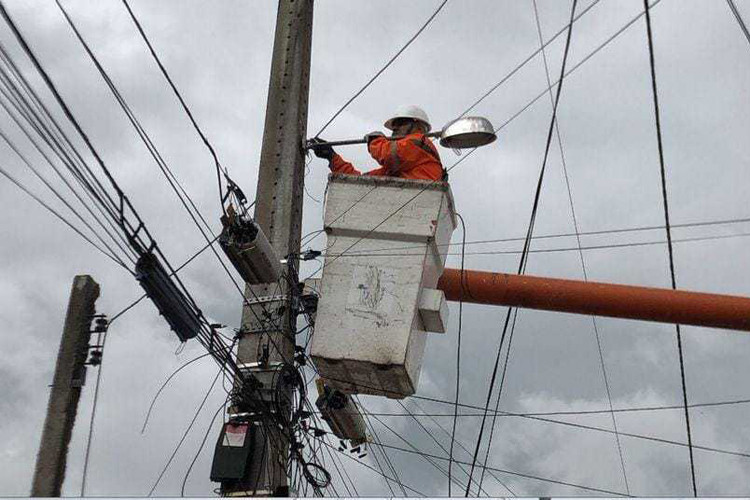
(387, 243)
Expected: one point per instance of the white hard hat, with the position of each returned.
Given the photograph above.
(409, 111)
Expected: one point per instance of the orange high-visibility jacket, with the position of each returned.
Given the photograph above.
(413, 157)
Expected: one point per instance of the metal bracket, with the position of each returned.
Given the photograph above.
(266, 300)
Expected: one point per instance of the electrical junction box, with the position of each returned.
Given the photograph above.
(387, 243)
(232, 451)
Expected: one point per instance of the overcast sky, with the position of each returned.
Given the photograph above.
(219, 54)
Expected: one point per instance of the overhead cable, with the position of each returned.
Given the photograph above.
(524, 254)
(458, 352)
(59, 216)
(740, 21)
(498, 129)
(219, 167)
(380, 72)
(662, 171)
(576, 228)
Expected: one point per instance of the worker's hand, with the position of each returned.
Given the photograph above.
(373, 135)
(322, 149)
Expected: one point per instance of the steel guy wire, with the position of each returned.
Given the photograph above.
(380, 72)
(662, 170)
(740, 21)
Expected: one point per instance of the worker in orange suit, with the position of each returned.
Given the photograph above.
(414, 156)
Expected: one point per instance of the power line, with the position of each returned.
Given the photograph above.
(544, 92)
(184, 435)
(528, 59)
(178, 269)
(662, 171)
(200, 448)
(380, 72)
(512, 473)
(374, 470)
(219, 168)
(498, 129)
(559, 249)
(90, 435)
(458, 350)
(740, 21)
(57, 214)
(569, 234)
(524, 256)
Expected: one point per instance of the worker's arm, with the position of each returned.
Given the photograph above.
(338, 165)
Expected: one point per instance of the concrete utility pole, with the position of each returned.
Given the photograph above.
(70, 374)
(278, 211)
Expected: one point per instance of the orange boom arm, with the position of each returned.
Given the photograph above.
(598, 299)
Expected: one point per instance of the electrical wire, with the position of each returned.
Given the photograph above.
(219, 168)
(569, 234)
(185, 434)
(576, 228)
(90, 435)
(740, 21)
(533, 101)
(164, 385)
(458, 352)
(178, 269)
(380, 72)
(507, 122)
(553, 250)
(670, 251)
(524, 254)
(58, 215)
(200, 448)
(452, 437)
(512, 473)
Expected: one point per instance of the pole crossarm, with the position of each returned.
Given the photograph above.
(598, 299)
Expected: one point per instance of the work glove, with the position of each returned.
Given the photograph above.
(373, 135)
(322, 149)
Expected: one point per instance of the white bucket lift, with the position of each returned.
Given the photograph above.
(378, 295)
